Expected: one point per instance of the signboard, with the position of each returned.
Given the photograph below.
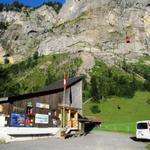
(17, 120)
(42, 105)
(2, 120)
(29, 104)
(41, 118)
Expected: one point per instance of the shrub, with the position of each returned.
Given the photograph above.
(3, 25)
(36, 55)
(1, 7)
(112, 82)
(95, 109)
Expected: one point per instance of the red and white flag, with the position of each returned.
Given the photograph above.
(65, 81)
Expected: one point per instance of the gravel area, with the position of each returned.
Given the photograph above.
(93, 141)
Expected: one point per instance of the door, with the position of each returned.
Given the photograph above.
(72, 119)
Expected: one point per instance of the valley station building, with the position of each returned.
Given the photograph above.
(24, 114)
(41, 113)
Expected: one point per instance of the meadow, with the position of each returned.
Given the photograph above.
(120, 114)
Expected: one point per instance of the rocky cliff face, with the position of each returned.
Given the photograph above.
(98, 27)
(26, 30)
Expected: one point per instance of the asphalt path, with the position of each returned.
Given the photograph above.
(93, 141)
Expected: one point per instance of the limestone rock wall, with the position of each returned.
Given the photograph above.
(95, 26)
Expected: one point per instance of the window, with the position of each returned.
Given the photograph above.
(142, 126)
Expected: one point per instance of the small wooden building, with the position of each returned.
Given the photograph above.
(44, 108)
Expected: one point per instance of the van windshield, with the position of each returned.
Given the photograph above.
(142, 126)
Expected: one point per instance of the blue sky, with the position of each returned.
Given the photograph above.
(31, 2)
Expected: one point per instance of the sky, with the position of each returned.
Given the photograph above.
(32, 3)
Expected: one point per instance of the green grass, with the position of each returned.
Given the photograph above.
(148, 147)
(126, 127)
(3, 142)
(123, 119)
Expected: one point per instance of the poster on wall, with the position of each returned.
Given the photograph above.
(17, 120)
(41, 118)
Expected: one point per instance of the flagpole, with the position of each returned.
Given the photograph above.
(64, 96)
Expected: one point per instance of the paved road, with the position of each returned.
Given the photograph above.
(93, 141)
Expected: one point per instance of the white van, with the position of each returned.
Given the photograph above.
(143, 129)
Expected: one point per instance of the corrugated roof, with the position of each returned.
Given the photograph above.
(60, 84)
(50, 89)
(89, 119)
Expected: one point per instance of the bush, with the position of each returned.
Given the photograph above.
(15, 6)
(95, 109)
(1, 7)
(94, 88)
(147, 85)
(36, 55)
(56, 5)
(3, 25)
(112, 82)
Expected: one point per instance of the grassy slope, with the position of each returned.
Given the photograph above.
(123, 119)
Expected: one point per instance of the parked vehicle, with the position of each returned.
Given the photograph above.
(143, 129)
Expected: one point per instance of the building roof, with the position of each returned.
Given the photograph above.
(50, 89)
(89, 119)
(59, 85)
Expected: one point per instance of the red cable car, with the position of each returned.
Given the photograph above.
(127, 39)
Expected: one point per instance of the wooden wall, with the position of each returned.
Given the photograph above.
(21, 107)
(73, 99)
